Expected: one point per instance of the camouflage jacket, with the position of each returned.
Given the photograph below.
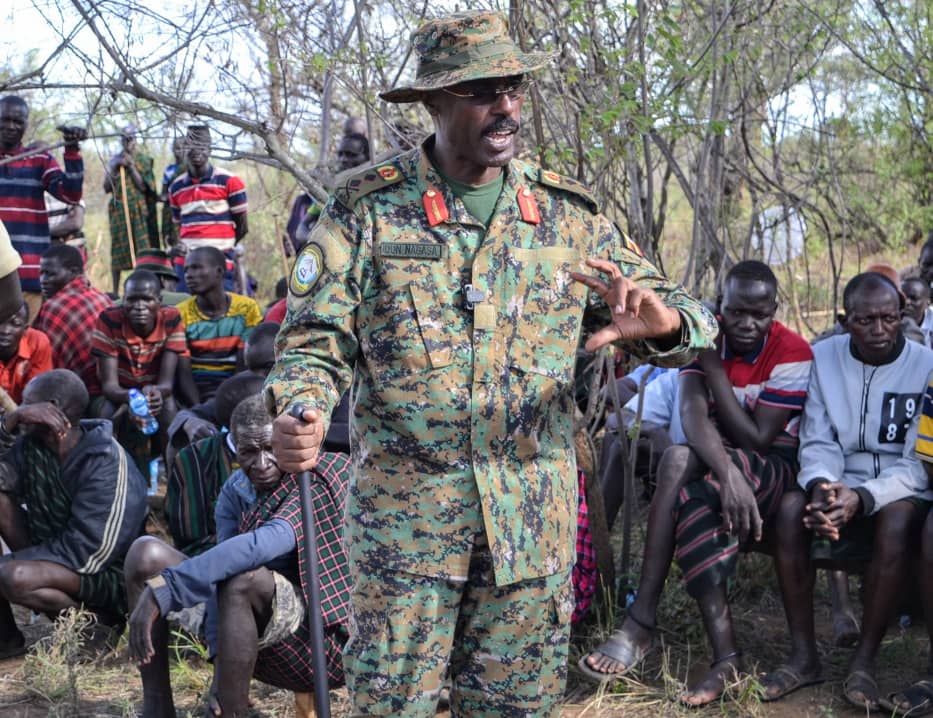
(462, 415)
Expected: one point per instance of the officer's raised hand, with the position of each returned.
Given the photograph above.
(637, 312)
(296, 443)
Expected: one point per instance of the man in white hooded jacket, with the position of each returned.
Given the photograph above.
(863, 495)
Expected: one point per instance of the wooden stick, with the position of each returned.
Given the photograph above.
(126, 214)
(281, 239)
(54, 146)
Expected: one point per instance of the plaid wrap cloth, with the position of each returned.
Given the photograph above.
(585, 574)
(141, 208)
(287, 664)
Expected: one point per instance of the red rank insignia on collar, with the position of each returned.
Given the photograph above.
(528, 207)
(435, 207)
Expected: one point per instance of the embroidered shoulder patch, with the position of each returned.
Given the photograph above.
(307, 270)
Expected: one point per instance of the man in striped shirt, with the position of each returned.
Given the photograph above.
(138, 346)
(208, 205)
(217, 322)
(23, 182)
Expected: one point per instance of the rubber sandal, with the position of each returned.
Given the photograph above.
(796, 681)
(620, 648)
(919, 695)
(867, 681)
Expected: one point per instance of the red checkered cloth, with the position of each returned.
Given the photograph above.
(68, 320)
(287, 664)
(584, 574)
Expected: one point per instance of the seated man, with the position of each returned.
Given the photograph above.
(69, 312)
(200, 420)
(917, 699)
(138, 345)
(254, 581)
(217, 322)
(861, 486)
(24, 354)
(660, 427)
(740, 408)
(199, 470)
(917, 307)
(85, 502)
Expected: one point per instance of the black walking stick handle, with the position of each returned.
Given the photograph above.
(315, 616)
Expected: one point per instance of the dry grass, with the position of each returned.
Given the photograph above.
(49, 682)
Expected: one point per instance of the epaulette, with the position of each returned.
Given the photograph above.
(552, 179)
(630, 244)
(370, 179)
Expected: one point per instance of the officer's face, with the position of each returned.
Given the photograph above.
(477, 124)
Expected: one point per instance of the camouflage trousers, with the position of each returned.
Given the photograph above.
(503, 648)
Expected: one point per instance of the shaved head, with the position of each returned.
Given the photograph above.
(60, 387)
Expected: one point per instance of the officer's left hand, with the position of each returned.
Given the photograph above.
(637, 312)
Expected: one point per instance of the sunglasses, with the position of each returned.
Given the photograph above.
(485, 93)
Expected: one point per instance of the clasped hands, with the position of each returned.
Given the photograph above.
(832, 505)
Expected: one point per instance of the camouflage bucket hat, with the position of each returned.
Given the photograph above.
(462, 47)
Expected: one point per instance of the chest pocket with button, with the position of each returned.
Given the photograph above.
(405, 331)
(545, 306)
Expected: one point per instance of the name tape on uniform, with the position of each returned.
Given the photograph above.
(411, 250)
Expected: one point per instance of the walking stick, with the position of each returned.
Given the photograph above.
(315, 616)
(126, 214)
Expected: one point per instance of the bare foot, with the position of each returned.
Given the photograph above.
(711, 687)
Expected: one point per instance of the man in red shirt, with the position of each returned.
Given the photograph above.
(741, 405)
(69, 311)
(24, 353)
(138, 345)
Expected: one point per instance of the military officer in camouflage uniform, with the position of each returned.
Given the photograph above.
(451, 280)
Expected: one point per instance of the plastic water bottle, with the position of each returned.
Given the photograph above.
(153, 477)
(140, 407)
